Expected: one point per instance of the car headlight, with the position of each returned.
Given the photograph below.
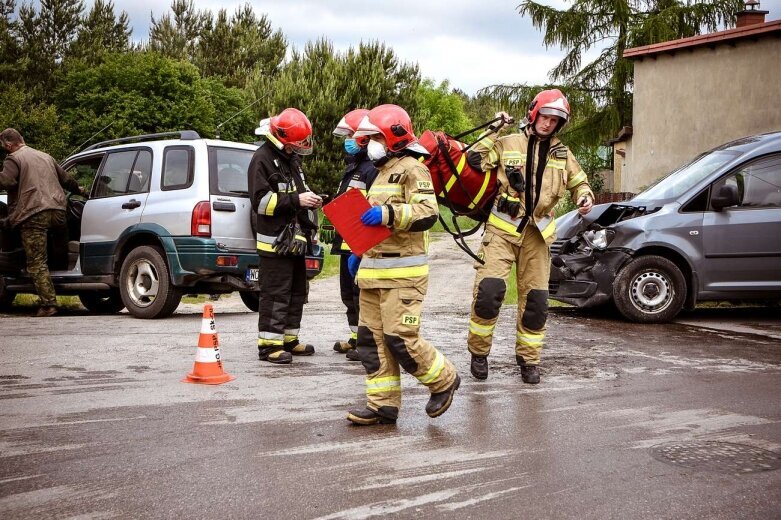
(598, 239)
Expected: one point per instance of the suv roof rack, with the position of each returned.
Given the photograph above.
(185, 135)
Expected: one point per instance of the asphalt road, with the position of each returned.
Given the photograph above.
(630, 421)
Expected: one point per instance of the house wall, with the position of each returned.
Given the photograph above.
(694, 100)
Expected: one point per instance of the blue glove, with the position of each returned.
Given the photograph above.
(372, 216)
(352, 265)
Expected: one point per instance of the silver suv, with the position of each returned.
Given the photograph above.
(167, 215)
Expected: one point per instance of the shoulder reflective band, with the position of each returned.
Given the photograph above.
(267, 204)
(577, 179)
(383, 384)
(435, 370)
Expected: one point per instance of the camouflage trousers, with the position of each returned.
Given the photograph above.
(34, 233)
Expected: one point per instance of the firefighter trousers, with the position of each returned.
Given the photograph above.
(283, 290)
(533, 271)
(350, 294)
(389, 337)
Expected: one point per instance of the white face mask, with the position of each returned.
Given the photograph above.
(376, 150)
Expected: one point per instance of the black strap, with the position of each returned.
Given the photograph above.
(464, 134)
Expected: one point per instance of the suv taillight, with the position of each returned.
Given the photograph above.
(201, 223)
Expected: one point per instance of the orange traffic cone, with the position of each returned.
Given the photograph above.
(207, 369)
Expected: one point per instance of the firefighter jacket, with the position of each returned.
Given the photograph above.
(543, 186)
(275, 181)
(404, 189)
(35, 183)
(359, 174)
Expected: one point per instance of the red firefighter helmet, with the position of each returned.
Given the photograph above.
(394, 124)
(292, 128)
(349, 124)
(550, 103)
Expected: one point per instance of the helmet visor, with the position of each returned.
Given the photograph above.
(553, 111)
(302, 147)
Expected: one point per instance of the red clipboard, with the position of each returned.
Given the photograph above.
(345, 212)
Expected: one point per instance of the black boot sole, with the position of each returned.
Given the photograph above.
(449, 401)
(360, 421)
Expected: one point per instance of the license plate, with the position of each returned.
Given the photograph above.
(252, 274)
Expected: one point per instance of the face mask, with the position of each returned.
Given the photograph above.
(351, 146)
(376, 150)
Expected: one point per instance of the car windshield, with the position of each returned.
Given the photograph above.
(681, 180)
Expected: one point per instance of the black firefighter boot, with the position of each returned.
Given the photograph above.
(274, 355)
(368, 417)
(344, 347)
(530, 374)
(298, 349)
(439, 403)
(479, 367)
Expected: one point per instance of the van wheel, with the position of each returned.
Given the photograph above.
(251, 300)
(145, 284)
(650, 289)
(105, 302)
(6, 297)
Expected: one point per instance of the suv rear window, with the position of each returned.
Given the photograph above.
(177, 168)
(228, 170)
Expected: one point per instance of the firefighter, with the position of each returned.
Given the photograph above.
(359, 174)
(285, 221)
(534, 171)
(393, 276)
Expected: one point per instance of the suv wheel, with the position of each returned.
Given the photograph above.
(109, 302)
(145, 284)
(251, 300)
(650, 289)
(6, 296)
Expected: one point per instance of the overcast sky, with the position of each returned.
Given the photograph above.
(471, 43)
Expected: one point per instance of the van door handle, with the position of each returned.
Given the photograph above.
(131, 204)
(224, 206)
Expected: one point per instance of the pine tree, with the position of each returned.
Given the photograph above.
(10, 52)
(616, 25)
(177, 36)
(101, 32)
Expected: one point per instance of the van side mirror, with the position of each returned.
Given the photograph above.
(728, 196)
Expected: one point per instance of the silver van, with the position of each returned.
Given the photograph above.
(710, 230)
(167, 215)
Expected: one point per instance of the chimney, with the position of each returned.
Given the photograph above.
(751, 15)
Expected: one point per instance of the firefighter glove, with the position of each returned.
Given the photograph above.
(512, 208)
(327, 231)
(372, 216)
(515, 176)
(352, 264)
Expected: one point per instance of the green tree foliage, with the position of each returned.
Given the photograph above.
(441, 109)
(46, 37)
(102, 32)
(231, 49)
(10, 51)
(615, 26)
(325, 85)
(141, 92)
(234, 49)
(38, 122)
(176, 34)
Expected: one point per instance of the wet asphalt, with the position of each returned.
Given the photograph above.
(630, 421)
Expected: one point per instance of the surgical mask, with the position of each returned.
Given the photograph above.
(376, 150)
(351, 146)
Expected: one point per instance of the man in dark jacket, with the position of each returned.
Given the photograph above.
(359, 174)
(285, 220)
(37, 201)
